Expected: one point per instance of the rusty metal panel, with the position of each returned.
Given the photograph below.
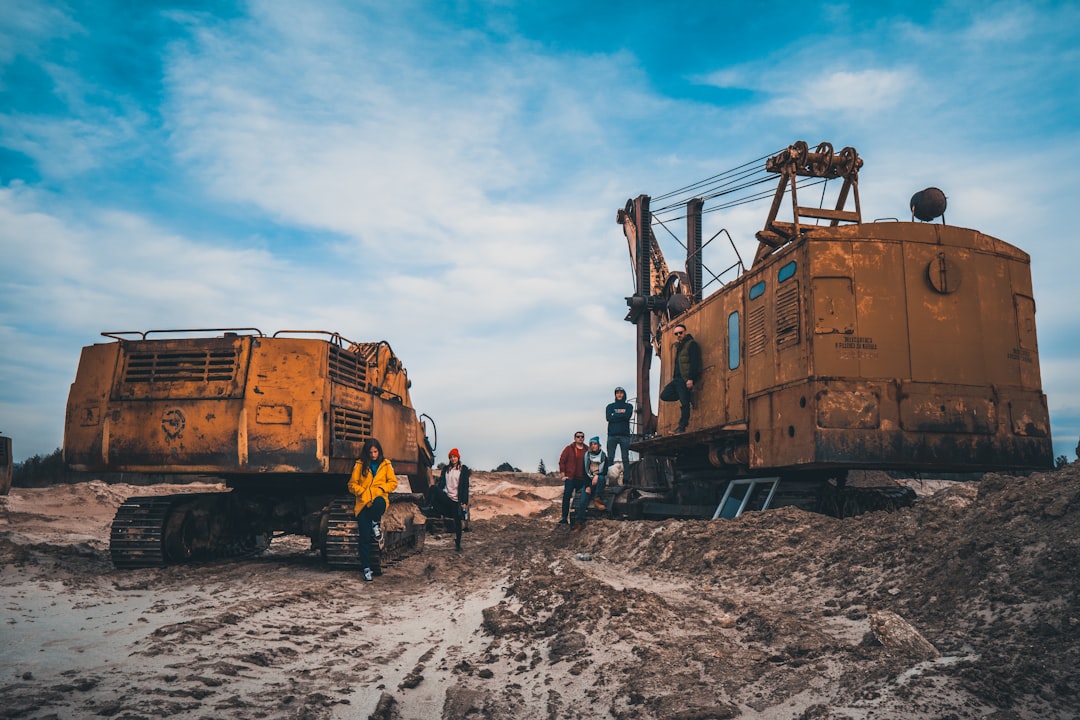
(945, 327)
(1028, 415)
(1026, 354)
(273, 414)
(352, 423)
(175, 435)
(782, 427)
(87, 407)
(708, 325)
(789, 325)
(834, 327)
(857, 423)
(856, 409)
(834, 306)
(286, 373)
(155, 369)
(734, 386)
(949, 428)
(174, 405)
(789, 330)
(760, 350)
(941, 408)
(759, 411)
(347, 368)
(880, 342)
(398, 432)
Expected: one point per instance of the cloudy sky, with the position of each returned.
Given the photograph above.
(445, 176)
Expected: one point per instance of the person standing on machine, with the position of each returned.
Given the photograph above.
(687, 371)
(618, 427)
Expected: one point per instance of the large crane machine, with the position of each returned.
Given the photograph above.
(846, 345)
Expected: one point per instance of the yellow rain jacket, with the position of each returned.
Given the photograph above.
(366, 487)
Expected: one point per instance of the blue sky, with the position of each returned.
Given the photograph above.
(445, 176)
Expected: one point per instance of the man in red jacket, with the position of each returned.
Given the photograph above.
(572, 467)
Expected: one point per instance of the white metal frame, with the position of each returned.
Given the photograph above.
(752, 484)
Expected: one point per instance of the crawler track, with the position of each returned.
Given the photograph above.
(137, 532)
(171, 529)
(343, 536)
(811, 494)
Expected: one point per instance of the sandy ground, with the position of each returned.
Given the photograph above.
(964, 606)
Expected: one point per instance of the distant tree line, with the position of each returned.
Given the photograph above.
(42, 471)
(48, 470)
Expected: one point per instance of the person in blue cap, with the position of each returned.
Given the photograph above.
(596, 468)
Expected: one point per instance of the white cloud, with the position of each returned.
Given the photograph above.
(26, 25)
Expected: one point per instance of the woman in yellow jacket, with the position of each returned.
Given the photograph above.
(371, 482)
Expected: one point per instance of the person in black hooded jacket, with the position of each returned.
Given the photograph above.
(618, 427)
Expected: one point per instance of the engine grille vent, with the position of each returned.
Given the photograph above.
(755, 330)
(348, 368)
(351, 426)
(787, 315)
(171, 366)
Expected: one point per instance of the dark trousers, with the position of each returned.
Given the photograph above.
(446, 506)
(677, 390)
(371, 514)
(622, 442)
(569, 486)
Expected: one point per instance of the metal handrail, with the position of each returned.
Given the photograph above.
(116, 334)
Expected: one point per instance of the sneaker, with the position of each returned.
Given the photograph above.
(368, 575)
(565, 521)
(457, 545)
(577, 527)
(376, 531)
(599, 505)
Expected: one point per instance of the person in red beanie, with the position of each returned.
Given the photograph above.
(450, 495)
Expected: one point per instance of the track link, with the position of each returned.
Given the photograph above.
(343, 536)
(169, 529)
(138, 530)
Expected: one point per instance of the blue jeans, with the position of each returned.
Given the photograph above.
(622, 442)
(372, 513)
(598, 489)
(569, 486)
(582, 502)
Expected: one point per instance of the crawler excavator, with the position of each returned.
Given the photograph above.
(279, 419)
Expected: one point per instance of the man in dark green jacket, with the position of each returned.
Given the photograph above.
(687, 371)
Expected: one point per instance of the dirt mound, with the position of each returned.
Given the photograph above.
(963, 606)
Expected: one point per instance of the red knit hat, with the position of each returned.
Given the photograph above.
(454, 453)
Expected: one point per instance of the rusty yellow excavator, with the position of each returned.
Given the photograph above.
(280, 419)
